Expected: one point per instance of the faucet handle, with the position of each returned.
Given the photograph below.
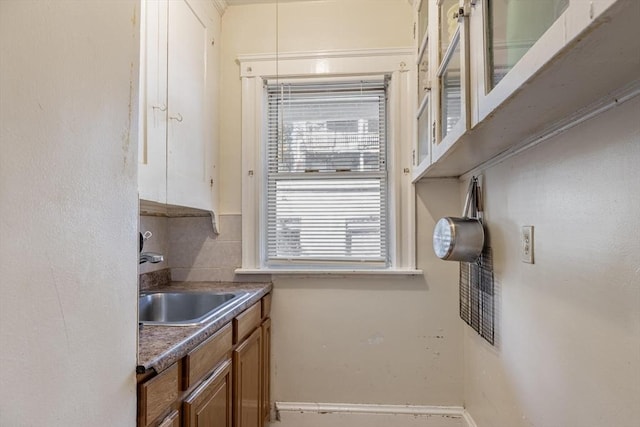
(151, 257)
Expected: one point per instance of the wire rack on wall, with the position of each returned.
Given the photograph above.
(477, 295)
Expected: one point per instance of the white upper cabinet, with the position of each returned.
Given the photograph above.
(452, 78)
(512, 40)
(510, 71)
(425, 124)
(178, 146)
(152, 145)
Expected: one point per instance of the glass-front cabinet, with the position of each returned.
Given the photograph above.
(492, 73)
(424, 120)
(512, 40)
(453, 118)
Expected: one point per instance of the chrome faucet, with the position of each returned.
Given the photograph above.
(151, 257)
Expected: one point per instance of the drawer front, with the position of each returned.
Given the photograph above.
(206, 356)
(266, 306)
(210, 404)
(246, 322)
(173, 420)
(157, 395)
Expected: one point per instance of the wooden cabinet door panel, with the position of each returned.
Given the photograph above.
(210, 404)
(157, 395)
(247, 379)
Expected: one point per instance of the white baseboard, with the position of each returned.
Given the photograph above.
(456, 415)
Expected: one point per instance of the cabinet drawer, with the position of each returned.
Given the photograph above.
(246, 322)
(206, 356)
(210, 403)
(157, 395)
(173, 420)
(266, 306)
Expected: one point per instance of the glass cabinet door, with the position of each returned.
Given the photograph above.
(512, 27)
(422, 148)
(448, 24)
(453, 76)
(451, 89)
(424, 131)
(511, 41)
(423, 22)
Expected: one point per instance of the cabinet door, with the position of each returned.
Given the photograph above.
(210, 404)
(152, 150)
(453, 77)
(512, 41)
(266, 371)
(191, 79)
(247, 359)
(172, 420)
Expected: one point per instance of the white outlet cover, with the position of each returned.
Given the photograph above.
(526, 244)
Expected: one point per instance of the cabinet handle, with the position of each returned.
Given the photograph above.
(177, 117)
(161, 107)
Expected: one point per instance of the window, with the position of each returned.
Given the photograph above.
(326, 163)
(326, 173)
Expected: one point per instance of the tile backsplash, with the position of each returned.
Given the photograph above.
(192, 250)
(196, 253)
(159, 242)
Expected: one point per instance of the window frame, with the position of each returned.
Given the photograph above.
(379, 90)
(255, 71)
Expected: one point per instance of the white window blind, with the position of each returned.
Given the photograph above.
(326, 173)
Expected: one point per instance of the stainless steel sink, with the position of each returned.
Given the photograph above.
(186, 308)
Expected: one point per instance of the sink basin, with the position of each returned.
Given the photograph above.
(186, 308)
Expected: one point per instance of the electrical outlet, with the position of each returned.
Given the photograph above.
(526, 244)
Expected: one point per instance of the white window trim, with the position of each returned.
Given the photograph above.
(399, 64)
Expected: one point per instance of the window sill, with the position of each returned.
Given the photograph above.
(329, 272)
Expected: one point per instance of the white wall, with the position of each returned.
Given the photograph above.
(68, 212)
(302, 27)
(349, 340)
(568, 350)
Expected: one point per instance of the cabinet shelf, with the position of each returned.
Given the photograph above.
(603, 58)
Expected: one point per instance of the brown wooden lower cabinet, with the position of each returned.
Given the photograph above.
(266, 371)
(219, 383)
(210, 403)
(247, 378)
(172, 420)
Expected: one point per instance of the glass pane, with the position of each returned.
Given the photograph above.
(513, 26)
(423, 77)
(321, 134)
(328, 220)
(451, 95)
(423, 19)
(448, 24)
(423, 133)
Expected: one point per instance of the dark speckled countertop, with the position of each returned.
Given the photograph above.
(161, 346)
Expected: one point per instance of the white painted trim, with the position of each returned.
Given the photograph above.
(220, 5)
(327, 63)
(255, 69)
(324, 54)
(330, 272)
(601, 106)
(466, 416)
(359, 408)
